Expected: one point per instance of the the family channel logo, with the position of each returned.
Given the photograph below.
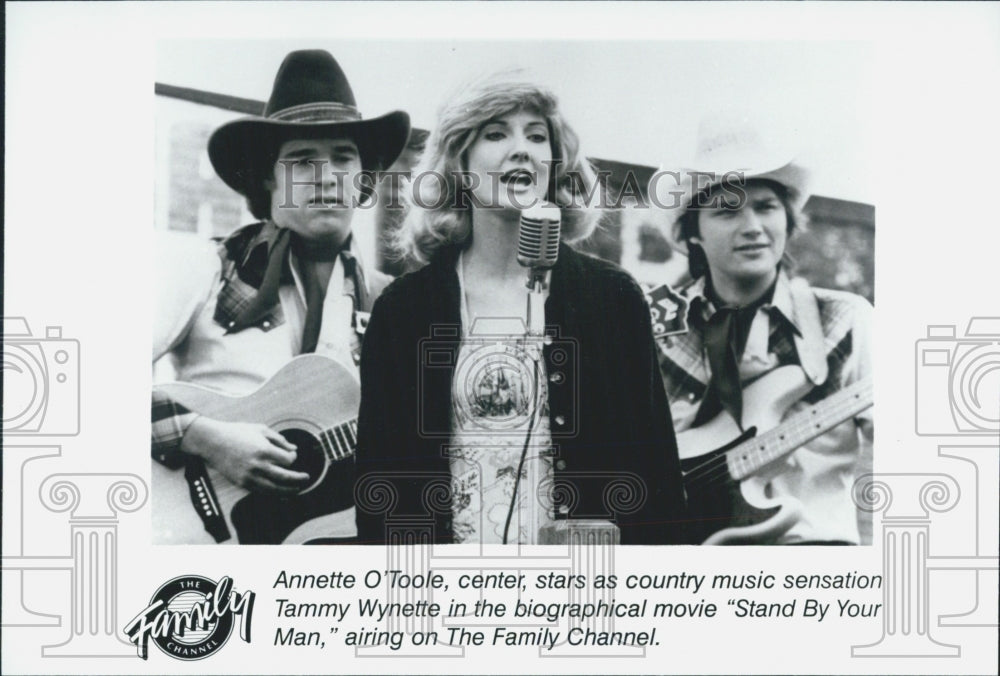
(191, 617)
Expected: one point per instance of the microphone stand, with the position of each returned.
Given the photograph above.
(567, 531)
(538, 284)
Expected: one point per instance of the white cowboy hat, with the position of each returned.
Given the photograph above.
(730, 148)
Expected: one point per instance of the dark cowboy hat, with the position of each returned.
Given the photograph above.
(311, 99)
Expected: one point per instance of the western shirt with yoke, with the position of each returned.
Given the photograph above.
(202, 287)
(832, 345)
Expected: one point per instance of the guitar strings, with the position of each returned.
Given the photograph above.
(716, 468)
(708, 472)
(340, 441)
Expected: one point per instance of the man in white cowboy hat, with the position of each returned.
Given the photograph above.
(739, 322)
(290, 284)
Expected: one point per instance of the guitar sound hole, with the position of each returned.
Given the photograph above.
(309, 453)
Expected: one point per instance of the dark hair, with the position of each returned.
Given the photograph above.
(259, 197)
(687, 224)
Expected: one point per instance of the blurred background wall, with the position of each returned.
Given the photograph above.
(201, 85)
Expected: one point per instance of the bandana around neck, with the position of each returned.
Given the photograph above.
(267, 294)
(726, 333)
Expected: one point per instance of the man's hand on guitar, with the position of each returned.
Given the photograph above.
(250, 455)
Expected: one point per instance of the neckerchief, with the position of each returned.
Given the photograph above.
(726, 333)
(275, 273)
(315, 290)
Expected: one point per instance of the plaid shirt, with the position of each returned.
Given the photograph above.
(201, 300)
(833, 355)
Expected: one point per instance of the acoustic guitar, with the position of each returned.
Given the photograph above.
(313, 402)
(727, 494)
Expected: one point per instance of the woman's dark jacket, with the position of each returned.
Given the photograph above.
(615, 456)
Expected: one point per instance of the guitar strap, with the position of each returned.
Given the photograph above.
(811, 344)
(356, 287)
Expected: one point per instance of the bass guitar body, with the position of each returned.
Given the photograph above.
(738, 512)
(725, 510)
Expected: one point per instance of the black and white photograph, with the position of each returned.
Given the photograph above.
(630, 336)
(521, 316)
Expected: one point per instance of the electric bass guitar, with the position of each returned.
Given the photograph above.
(312, 402)
(726, 487)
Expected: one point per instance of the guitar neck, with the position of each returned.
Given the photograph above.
(339, 441)
(755, 453)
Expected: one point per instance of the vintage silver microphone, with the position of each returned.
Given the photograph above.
(537, 250)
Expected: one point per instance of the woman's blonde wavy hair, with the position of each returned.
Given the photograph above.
(434, 218)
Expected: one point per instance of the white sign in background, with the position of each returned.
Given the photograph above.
(79, 175)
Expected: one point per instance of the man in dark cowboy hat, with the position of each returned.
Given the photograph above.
(752, 346)
(287, 285)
